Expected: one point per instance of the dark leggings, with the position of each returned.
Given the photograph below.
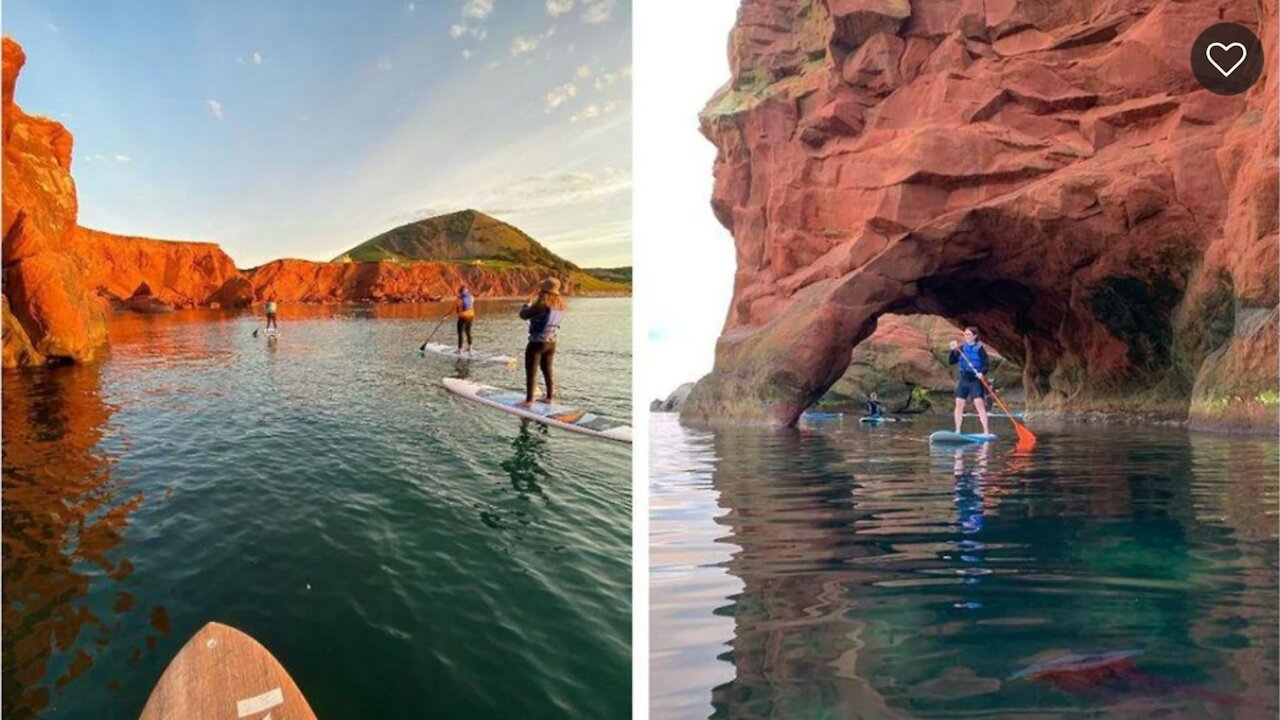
(464, 325)
(538, 354)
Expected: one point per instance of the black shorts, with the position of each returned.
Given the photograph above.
(970, 388)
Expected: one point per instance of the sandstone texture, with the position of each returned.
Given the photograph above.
(905, 363)
(177, 274)
(387, 281)
(1048, 171)
(47, 314)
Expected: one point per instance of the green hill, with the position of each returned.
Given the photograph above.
(464, 236)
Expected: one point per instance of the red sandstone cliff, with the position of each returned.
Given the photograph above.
(319, 282)
(177, 274)
(1050, 172)
(47, 315)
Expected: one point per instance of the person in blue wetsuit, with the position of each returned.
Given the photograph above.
(874, 408)
(543, 312)
(971, 356)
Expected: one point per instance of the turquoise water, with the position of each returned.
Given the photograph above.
(846, 571)
(404, 553)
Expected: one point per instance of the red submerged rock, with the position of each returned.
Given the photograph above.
(1049, 172)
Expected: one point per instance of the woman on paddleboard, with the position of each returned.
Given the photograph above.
(271, 314)
(971, 356)
(543, 313)
(465, 307)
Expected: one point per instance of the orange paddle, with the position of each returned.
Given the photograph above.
(1025, 438)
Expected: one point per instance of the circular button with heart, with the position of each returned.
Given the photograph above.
(1227, 58)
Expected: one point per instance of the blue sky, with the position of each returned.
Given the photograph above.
(301, 129)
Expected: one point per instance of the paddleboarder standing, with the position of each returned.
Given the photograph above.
(874, 408)
(971, 356)
(271, 315)
(543, 311)
(465, 307)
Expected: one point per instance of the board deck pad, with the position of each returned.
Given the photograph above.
(222, 673)
(474, 355)
(554, 414)
(947, 437)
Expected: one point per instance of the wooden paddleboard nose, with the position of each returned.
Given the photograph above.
(224, 674)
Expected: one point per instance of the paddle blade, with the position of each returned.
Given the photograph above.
(255, 333)
(1025, 437)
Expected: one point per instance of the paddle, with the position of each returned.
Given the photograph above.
(255, 330)
(423, 346)
(1025, 437)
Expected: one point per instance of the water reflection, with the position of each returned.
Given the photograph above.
(63, 518)
(879, 580)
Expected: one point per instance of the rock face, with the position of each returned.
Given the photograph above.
(48, 315)
(317, 282)
(905, 361)
(674, 400)
(1049, 172)
(177, 274)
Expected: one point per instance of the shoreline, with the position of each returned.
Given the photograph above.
(1110, 417)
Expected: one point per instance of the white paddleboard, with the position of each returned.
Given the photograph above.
(473, 356)
(564, 417)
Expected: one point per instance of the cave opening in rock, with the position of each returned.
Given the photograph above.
(904, 361)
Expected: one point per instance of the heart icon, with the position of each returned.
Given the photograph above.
(1226, 48)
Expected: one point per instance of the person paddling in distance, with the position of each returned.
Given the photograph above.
(271, 315)
(465, 307)
(543, 311)
(971, 356)
(874, 408)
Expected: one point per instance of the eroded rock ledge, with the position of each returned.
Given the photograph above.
(1050, 172)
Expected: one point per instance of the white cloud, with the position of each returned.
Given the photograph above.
(607, 79)
(123, 159)
(412, 7)
(51, 27)
(466, 54)
(528, 43)
(478, 32)
(559, 7)
(477, 8)
(384, 64)
(588, 112)
(584, 72)
(256, 58)
(493, 64)
(559, 95)
(597, 11)
(215, 107)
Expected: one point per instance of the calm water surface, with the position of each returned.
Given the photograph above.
(845, 571)
(404, 553)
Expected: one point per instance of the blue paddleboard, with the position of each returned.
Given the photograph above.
(946, 437)
(818, 415)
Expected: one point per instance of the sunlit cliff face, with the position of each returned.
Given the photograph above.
(1051, 173)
